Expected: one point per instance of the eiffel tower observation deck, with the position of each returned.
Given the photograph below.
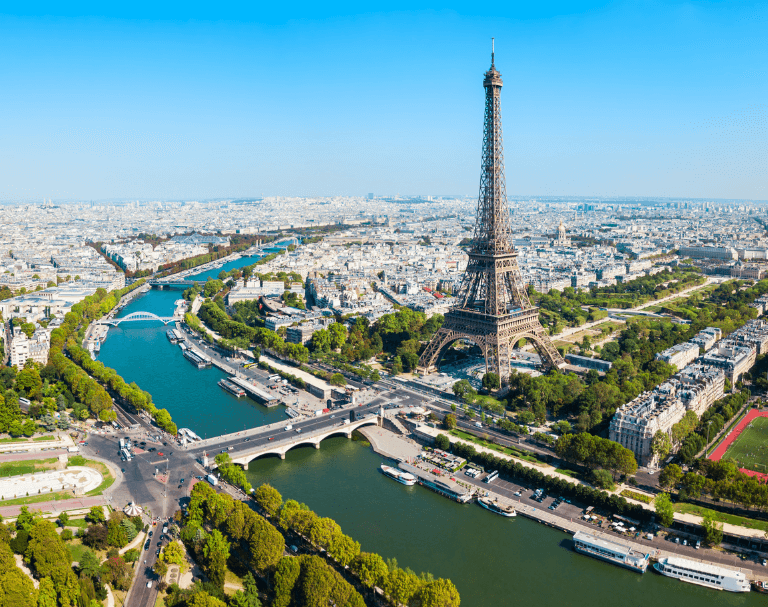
(492, 309)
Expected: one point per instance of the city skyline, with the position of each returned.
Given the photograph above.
(603, 101)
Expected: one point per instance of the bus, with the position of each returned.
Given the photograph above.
(249, 365)
(126, 454)
(492, 476)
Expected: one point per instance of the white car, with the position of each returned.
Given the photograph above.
(149, 584)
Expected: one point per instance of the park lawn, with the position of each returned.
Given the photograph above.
(232, 578)
(750, 449)
(722, 517)
(640, 497)
(80, 523)
(567, 472)
(41, 438)
(76, 549)
(36, 499)
(27, 466)
(486, 399)
(490, 445)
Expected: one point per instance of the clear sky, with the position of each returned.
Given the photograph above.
(277, 98)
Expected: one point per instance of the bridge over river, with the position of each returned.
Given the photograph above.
(279, 438)
(137, 317)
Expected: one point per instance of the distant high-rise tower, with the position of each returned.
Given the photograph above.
(492, 309)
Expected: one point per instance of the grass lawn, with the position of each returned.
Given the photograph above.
(732, 519)
(506, 450)
(23, 439)
(566, 472)
(36, 499)
(640, 497)
(750, 449)
(27, 466)
(232, 578)
(80, 523)
(76, 549)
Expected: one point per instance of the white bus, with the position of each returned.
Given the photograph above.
(126, 455)
(491, 477)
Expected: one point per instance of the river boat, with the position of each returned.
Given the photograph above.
(401, 477)
(494, 505)
(194, 359)
(233, 389)
(703, 574)
(610, 551)
(291, 412)
(172, 337)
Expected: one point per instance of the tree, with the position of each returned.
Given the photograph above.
(375, 375)
(174, 553)
(491, 381)
(661, 445)
(401, 586)
(118, 572)
(449, 421)
(268, 498)
(670, 476)
(63, 519)
(442, 442)
(438, 593)
(96, 537)
(337, 379)
(216, 553)
(116, 533)
(249, 596)
(664, 509)
(46, 593)
(370, 568)
(89, 564)
(713, 533)
(96, 515)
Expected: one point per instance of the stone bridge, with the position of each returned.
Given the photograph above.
(282, 446)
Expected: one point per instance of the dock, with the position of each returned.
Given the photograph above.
(262, 396)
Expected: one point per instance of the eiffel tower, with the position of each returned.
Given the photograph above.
(493, 309)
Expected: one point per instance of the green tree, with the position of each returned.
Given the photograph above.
(216, 553)
(337, 379)
(660, 445)
(268, 498)
(286, 575)
(96, 515)
(370, 568)
(442, 442)
(89, 564)
(491, 381)
(664, 509)
(63, 519)
(401, 586)
(249, 596)
(375, 375)
(670, 476)
(438, 593)
(713, 532)
(46, 593)
(449, 421)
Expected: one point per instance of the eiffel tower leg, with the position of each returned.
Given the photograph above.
(429, 358)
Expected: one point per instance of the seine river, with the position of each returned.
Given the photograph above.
(493, 561)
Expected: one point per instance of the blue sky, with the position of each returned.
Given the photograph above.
(222, 100)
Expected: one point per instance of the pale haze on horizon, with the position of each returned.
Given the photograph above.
(599, 99)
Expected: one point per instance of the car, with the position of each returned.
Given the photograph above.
(161, 454)
(685, 542)
(332, 416)
(271, 438)
(698, 545)
(149, 584)
(245, 440)
(222, 451)
(165, 444)
(517, 494)
(293, 548)
(199, 478)
(181, 481)
(150, 533)
(146, 546)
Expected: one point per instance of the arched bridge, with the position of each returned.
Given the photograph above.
(281, 446)
(137, 316)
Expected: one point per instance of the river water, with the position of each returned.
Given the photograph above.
(493, 561)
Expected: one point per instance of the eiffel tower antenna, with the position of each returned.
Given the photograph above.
(492, 307)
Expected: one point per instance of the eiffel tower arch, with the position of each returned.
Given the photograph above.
(493, 309)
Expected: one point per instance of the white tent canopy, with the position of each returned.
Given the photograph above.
(133, 510)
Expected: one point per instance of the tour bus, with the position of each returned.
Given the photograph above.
(127, 455)
(491, 477)
(122, 444)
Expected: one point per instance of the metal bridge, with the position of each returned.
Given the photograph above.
(180, 284)
(136, 317)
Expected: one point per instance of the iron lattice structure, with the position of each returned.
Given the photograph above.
(493, 309)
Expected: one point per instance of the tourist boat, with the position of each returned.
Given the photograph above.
(494, 505)
(401, 477)
(610, 551)
(232, 388)
(172, 337)
(760, 586)
(702, 574)
(194, 359)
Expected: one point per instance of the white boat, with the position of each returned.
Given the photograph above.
(702, 574)
(401, 477)
(494, 505)
(610, 550)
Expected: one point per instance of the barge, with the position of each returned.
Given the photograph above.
(610, 551)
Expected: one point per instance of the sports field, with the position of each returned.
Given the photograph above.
(750, 447)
